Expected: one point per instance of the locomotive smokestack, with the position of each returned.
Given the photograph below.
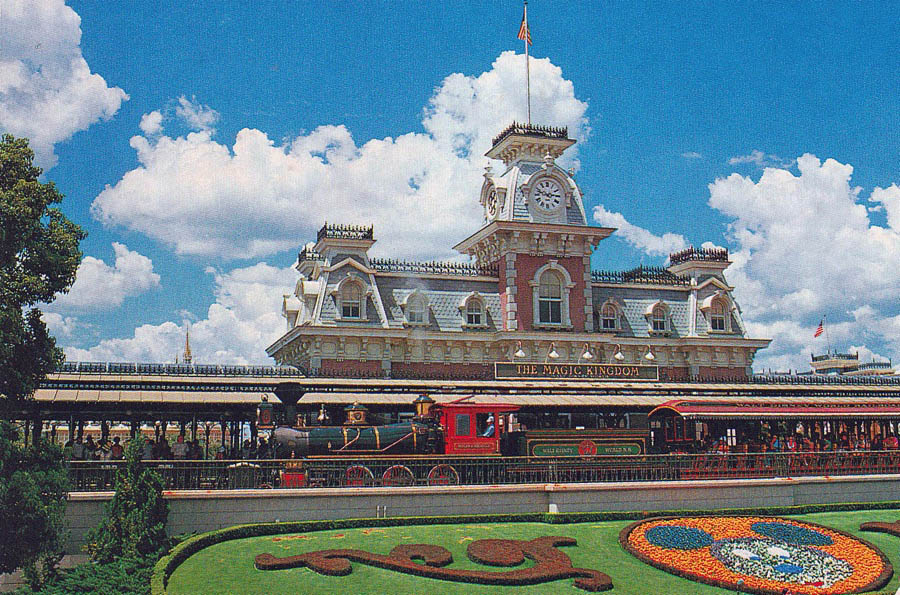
(423, 405)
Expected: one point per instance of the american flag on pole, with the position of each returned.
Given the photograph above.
(524, 31)
(820, 329)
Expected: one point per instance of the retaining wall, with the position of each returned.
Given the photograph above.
(199, 511)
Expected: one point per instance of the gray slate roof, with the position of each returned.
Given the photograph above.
(443, 308)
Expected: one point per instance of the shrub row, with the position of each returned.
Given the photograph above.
(181, 552)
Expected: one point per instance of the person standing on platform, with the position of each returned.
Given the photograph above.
(116, 451)
(195, 453)
(179, 451)
(90, 449)
(78, 449)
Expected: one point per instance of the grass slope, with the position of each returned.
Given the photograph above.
(228, 567)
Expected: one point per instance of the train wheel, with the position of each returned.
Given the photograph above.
(358, 475)
(443, 475)
(398, 475)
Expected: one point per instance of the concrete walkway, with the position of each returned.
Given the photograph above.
(11, 582)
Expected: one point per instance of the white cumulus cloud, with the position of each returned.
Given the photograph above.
(257, 197)
(99, 285)
(151, 123)
(47, 89)
(639, 237)
(61, 326)
(239, 325)
(760, 159)
(195, 115)
(804, 246)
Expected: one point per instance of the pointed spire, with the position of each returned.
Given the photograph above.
(187, 347)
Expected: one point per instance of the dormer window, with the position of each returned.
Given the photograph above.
(416, 309)
(717, 316)
(609, 317)
(657, 315)
(474, 313)
(351, 301)
(717, 309)
(415, 312)
(350, 298)
(658, 320)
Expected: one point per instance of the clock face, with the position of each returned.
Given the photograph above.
(547, 194)
(492, 203)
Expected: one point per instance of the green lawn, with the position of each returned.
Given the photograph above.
(228, 567)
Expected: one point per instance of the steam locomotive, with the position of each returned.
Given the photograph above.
(442, 441)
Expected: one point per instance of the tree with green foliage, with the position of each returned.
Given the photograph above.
(33, 486)
(38, 259)
(135, 522)
(39, 256)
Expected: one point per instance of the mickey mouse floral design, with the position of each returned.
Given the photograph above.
(759, 554)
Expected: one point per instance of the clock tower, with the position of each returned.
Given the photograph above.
(536, 232)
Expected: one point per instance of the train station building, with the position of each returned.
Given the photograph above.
(527, 304)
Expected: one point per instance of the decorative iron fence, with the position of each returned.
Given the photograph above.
(640, 275)
(92, 476)
(457, 269)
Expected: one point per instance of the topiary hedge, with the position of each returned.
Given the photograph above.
(181, 552)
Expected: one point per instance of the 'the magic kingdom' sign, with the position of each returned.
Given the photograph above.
(503, 370)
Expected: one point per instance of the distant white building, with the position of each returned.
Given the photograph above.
(848, 364)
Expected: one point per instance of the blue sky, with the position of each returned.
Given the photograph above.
(201, 144)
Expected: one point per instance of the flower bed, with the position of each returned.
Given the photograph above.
(758, 554)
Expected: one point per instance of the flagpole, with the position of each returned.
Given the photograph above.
(527, 71)
(825, 328)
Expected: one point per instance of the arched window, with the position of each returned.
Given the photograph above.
(717, 316)
(474, 312)
(717, 310)
(609, 317)
(351, 300)
(658, 319)
(416, 310)
(550, 293)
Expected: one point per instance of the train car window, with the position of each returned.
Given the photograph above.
(483, 421)
(668, 426)
(731, 437)
(527, 420)
(584, 420)
(638, 420)
(679, 429)
(463, 425)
